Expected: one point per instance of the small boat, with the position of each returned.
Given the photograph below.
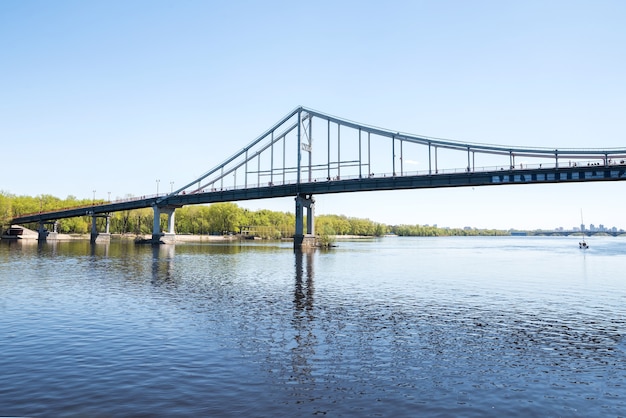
(582, 244)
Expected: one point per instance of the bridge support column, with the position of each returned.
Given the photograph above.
(159, 237)
(96, 236)
(300, 238)
(44, 235)
(156, 225)
(169, 237)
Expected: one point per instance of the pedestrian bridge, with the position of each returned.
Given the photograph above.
(309, 153)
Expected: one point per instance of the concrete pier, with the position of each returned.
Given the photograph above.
(46, 235)
(98, 237)
(169, 236)
(300, 238)
(304, 241)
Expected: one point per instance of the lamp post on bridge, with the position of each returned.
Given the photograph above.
(171, 186)
(157, 182)
(93, 200)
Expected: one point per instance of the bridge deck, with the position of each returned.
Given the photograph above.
(370, 183)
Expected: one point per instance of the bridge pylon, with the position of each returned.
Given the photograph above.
(97, 237)
(45, 235)
(169, 236)
(300, 238)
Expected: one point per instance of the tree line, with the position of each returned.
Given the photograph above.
(433, 231)
(217, 218)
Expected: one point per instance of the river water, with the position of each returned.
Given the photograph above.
(392, 327)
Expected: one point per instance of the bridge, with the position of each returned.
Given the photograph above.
(309, 153)
(567, 233)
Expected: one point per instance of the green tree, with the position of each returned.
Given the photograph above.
(224, 218)
(326, 235)
(6, 210)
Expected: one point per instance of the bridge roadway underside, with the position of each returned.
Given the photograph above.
(85, 211)
(460, 179)
(488, 178)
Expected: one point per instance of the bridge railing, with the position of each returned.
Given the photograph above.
(96, 203)
(406, 173)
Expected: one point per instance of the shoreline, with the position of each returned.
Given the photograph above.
(214, 238)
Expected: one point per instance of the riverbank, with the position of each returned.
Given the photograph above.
(29, 235)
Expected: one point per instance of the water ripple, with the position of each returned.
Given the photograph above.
(388, 328)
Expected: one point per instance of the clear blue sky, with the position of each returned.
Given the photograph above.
(112, 95)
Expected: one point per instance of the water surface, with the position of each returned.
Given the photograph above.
(480, 326)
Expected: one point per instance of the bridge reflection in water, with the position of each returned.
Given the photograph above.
(299, 341)
(304, 337)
